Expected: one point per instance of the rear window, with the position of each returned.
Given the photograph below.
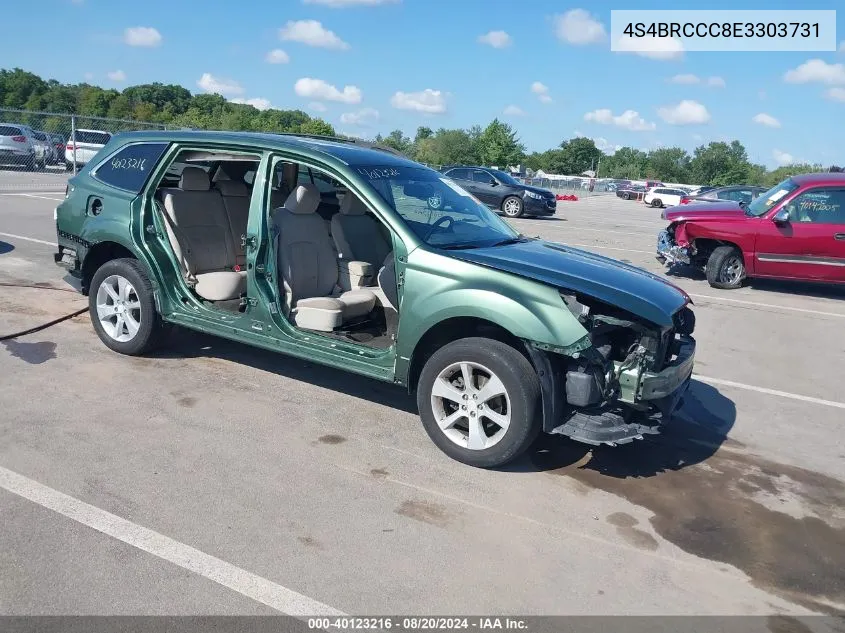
(10, 130)
(40, 136)
(131, 166)
(95, 138)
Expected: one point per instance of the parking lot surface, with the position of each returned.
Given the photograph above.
(211, 478)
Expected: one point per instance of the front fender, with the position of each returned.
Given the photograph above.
(437, 288)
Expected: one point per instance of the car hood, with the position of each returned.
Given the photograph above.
(541, 191)
(722, 210)
(570, 269)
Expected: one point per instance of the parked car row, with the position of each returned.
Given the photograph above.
(35, 149)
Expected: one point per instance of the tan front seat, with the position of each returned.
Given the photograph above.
(308, 266)
(357, 235)
(201, 237)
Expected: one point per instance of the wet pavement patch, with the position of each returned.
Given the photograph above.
(331, 439)
(782, 525)
(32, 353)
(626, 526)
(424, 511)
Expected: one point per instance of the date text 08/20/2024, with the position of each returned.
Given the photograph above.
(349, 623)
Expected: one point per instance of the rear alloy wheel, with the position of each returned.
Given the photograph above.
(657, 203)
(122, 308)
(512, 207)
(725, 268)
(479, 400)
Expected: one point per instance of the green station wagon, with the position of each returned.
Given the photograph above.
(331, 251)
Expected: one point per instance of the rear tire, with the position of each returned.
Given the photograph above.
(657, 203)
(725, 268)
(455, 412)
(123, 310)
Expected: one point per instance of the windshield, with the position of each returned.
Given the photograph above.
(438, 210)
(765, 201)
(505, 178)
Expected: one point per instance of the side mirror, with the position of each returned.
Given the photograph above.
(494, 182)
(781, 217)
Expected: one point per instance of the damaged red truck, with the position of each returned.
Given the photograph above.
(796, 230)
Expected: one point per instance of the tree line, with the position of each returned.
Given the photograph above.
(497, 144)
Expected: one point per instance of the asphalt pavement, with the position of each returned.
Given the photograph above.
(211, 478)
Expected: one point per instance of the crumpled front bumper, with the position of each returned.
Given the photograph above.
(646, 401)
(670, 253)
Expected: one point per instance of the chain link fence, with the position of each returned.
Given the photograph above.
(39, 150)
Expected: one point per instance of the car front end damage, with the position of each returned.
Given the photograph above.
(672, 246)
(622, 382)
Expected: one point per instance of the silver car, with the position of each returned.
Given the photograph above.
(45, 153)
(17, 145)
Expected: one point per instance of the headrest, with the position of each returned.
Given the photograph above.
(303, 200)
(351, 205)
(232, 188)
(194, 179)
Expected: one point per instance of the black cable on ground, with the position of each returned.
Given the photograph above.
(43, 326)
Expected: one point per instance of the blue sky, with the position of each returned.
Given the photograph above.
(375, 65)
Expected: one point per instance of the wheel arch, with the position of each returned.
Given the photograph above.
(100, 253)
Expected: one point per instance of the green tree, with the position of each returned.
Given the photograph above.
(499, 145)
(576, 156)
(398, 141)
(669, 164)
(316, 126)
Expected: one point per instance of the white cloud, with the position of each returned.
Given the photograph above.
(836, 94)
(578, 27)
(219, 85)
(323, 91)
(277, 56)
(606, 146)
(363, 117)
(428, 101)
(342, 4)
(686, 112)
(766, 119)
(116, 75)
(816, 70)
(496, 39)
(513, 110)
(256, 102)
(316, 106)
(783, 158)
(312, 33)
(629, 120)
(685, 79)
(542, 92)
(716, 82)
(660, 48)
(142, 36)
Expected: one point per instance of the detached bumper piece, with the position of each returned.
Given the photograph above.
(670, 253)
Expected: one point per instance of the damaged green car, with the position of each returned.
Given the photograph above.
(349, 255)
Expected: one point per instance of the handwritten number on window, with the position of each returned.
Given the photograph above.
(136, 164)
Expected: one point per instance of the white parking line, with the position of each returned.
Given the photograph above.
(243, 582)
(32, 195)
(768, 305)
(28, 239)
(770, 392)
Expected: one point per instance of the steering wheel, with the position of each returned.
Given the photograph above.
(437, 225)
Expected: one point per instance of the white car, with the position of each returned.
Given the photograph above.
(83, 146)
(664, 197)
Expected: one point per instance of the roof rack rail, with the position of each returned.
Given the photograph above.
(343, 139)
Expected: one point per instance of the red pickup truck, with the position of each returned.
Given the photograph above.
(795, 230)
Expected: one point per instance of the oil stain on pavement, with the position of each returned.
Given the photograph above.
(784, 526)
(424, 511)
(32, 353)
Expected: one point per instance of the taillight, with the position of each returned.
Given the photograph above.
(69, 146)
(685, 200)
(19, 139)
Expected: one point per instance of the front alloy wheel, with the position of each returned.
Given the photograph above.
(512, 207)
(479, 400)
(725, 268)
(471, 405)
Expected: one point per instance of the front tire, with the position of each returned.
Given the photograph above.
(512, 207)
(479, 400)
(725, 268)
(122, 308)
(657, 203)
